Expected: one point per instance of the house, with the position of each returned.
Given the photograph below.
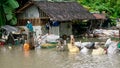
(100, 19)
(41, 13)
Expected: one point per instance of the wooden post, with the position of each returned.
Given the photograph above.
(90, 25)
(101, 21)
(31, 40)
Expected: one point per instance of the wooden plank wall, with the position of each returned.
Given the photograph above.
(35, 21)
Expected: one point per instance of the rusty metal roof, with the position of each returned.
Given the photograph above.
(99, 16)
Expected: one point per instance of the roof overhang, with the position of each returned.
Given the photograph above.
(20, 10)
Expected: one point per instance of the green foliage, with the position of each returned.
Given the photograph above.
(61, 0)
(7, 15)
(110, 6)
(2, 17)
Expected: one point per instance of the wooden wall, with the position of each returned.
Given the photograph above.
(34, 21)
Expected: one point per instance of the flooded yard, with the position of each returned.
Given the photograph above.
(15, 57)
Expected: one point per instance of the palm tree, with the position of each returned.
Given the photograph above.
(7, 15)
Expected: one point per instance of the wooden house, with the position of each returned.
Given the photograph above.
(41, 12)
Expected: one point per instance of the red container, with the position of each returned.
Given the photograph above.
(2, 43)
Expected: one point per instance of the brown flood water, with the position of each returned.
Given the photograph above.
(15, 57)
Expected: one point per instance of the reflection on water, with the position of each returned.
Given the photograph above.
(50, 58)
(26, 53)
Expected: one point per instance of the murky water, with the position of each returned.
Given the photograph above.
(15, 57)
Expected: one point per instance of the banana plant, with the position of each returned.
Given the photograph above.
(7, 15)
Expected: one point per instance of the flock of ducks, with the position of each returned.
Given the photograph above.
(94, 48)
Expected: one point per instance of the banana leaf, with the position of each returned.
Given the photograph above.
(13, 21)
(7, 9)
(13, 4)
(9, 16)
(6, 13)
(2, 17)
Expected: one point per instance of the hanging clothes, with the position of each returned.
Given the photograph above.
(55, 23)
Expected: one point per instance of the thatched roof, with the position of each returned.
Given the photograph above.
(64, 11)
